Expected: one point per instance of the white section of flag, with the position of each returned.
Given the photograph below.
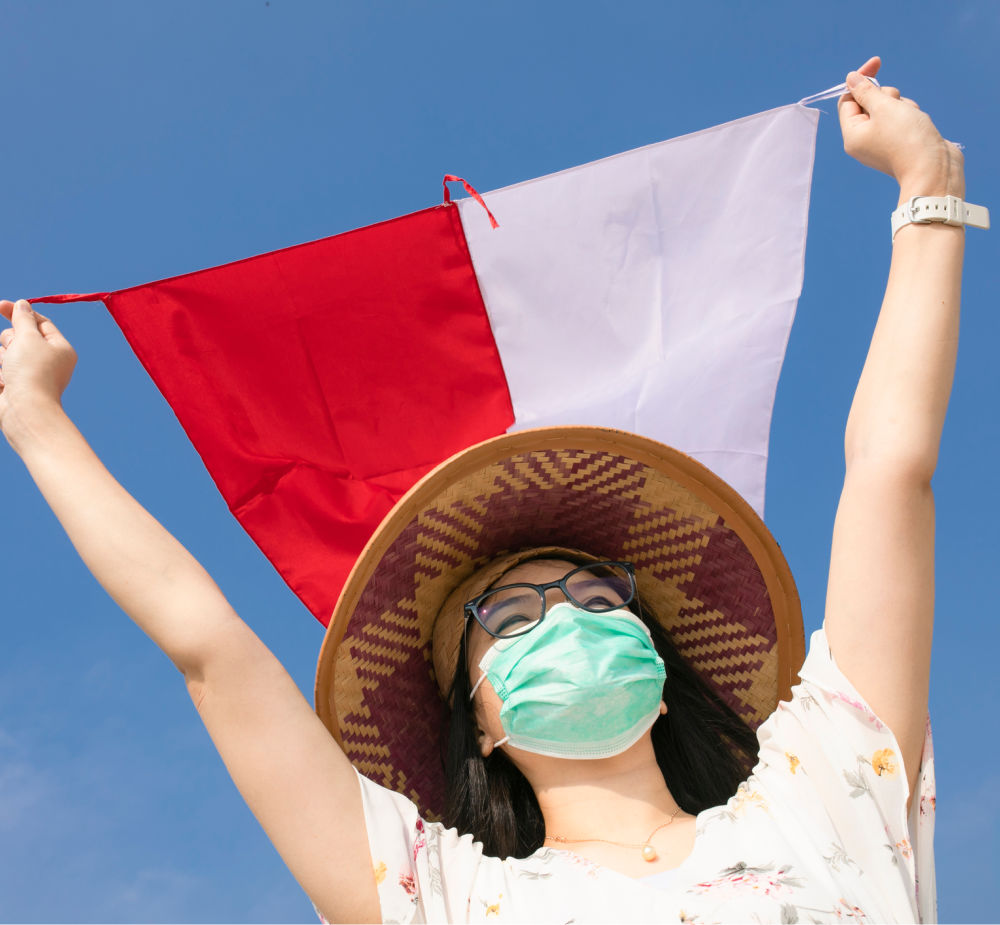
(654, 290)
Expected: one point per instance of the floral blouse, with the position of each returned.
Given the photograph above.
(817, 833)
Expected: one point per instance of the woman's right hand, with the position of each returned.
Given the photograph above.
(887, 131)
(36, 363)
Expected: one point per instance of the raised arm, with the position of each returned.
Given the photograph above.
(880, 597)
(292, 774)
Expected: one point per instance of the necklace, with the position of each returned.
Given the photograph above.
(646, 848)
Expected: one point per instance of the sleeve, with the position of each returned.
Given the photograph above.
(424, 872)
(837, 771)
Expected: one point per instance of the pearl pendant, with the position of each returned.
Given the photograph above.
(648, 853)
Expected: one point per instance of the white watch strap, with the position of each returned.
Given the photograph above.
(948, 209)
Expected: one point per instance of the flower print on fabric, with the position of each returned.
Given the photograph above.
(556, 856)
(862, 708)
(842, 912)
(838, 859)
(884, 763)
(857, 780)
(793, 762)
(899, 848)
(421, 840)
(746, 800)
(764, 880)
(409, 884)
(491, 910)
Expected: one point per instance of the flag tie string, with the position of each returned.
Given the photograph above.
(842, 88)
(831, 93)
(468, 188)
(72, 297)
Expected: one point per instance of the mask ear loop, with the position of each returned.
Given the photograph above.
(482, 677)
(475, 687)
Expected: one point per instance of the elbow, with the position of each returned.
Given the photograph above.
(197, 690)
(912, 469)
(898, 440)
(226, 674)
(195, 680)
(227, 649)
(906, 457)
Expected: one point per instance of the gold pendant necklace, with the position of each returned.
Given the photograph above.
(646, 848)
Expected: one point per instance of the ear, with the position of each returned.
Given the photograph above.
(485, 743)
(663, 708)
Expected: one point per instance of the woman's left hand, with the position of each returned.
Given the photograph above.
(887, 131)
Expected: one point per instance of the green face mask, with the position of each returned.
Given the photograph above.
(579, 685)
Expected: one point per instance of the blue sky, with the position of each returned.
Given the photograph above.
(143, 140)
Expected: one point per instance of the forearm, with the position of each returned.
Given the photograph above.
(900, 403)
(146, 571)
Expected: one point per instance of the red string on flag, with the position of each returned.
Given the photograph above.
(72, 297)
(468, 188)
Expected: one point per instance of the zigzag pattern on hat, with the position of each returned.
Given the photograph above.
(692, 570)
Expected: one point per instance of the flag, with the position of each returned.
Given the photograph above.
(652, 291)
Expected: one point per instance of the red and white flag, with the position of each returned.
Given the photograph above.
(651, 291)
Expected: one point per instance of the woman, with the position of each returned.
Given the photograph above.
(332, 827)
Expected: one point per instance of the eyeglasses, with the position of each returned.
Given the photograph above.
(513, 610)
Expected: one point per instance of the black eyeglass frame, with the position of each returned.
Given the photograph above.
(472, 607)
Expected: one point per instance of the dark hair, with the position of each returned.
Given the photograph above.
(703, 747)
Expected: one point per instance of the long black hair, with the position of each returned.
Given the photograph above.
(703, 747)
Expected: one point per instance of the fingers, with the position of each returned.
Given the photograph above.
(854, 108)
(850, 104)
(871, 66)
(24, 319)
(22, 314)
(34, 355)
(6, 337)
(895, 94)
(48, 330)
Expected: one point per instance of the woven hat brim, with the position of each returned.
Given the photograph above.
(703, 557)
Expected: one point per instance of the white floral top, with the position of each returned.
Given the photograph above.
(818, 833)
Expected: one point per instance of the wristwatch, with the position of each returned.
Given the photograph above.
(948, 209)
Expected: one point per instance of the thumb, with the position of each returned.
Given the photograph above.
(865, 91)
(23, 317)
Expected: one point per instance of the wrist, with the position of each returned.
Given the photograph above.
(946, 178)
(27, 423)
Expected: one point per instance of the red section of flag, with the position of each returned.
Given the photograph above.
(319, 382)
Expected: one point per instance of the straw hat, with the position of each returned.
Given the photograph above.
(706, 566)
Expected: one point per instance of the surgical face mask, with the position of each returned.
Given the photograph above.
(578, 685)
